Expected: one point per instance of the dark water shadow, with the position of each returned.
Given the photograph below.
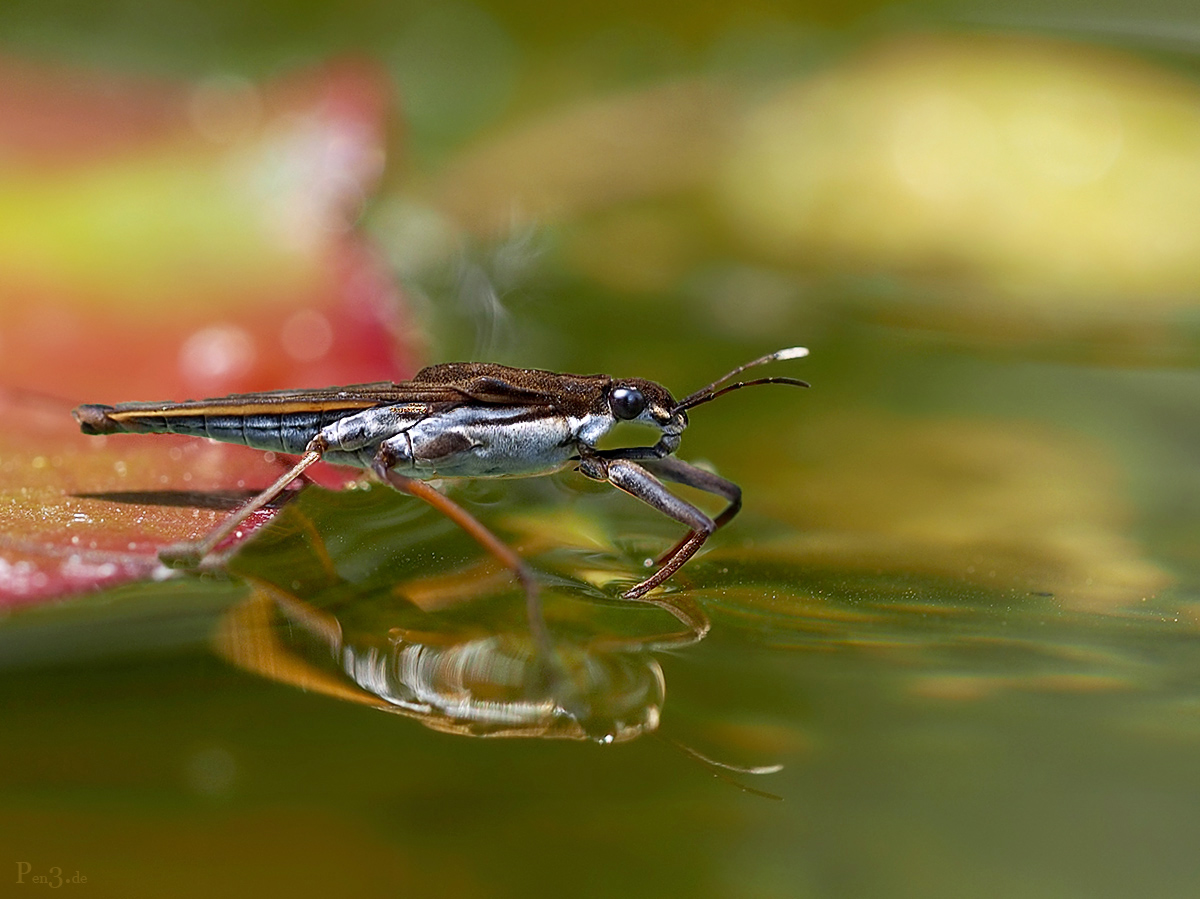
(216, 500)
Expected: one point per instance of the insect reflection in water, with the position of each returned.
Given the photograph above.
(468, 680)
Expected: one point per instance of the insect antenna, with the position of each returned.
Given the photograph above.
(714, 390)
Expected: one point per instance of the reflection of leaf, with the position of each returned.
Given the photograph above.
(175, 242)
(989, 504)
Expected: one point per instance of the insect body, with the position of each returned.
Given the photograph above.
(462, 420)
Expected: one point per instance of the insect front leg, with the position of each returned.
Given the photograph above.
(182, 555)
(382, 464)
(635, 480)
(672, 469)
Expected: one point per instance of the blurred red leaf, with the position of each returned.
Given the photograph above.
(164, 241)
(79, 512)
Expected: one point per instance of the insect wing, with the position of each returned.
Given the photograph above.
(493, 391)
(282, 402)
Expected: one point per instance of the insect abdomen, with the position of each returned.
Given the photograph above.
(287, 432)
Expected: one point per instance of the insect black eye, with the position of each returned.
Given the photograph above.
(626, 403)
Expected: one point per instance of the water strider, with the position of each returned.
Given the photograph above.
(462, 420)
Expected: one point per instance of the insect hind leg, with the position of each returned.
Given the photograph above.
(189, 555)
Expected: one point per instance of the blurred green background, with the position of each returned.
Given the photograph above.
(960, 606)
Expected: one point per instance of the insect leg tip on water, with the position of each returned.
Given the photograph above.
(181, 556)
(637, 592)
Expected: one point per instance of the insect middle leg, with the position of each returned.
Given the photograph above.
(485, 538)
